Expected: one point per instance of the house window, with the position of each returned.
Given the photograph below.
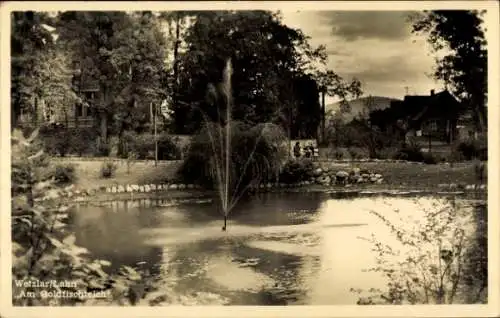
(79, 110)
(432, 125)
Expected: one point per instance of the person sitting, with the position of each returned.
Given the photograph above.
(296, 150)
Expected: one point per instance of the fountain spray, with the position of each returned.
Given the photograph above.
(227, 88)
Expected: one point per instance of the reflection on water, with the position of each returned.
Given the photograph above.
(279, 249)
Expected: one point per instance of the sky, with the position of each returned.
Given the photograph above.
(377, 47)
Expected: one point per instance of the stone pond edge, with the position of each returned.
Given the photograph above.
(157, 191)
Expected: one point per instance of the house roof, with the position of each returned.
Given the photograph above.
(441, 99)
(415, 107)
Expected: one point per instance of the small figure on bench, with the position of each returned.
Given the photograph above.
(296, 150)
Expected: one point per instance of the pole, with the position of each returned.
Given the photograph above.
(156, 139)
(323, 115)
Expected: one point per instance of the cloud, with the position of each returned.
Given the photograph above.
(378, 48)
(356, 25)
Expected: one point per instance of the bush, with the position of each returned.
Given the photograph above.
(44, 245)
(103, 150)
(82, 141)
(473, 149)
(480, 171)
(255, 156)
(64, 174)
(430, 159)
(167, 148)
(410, 152)
(61, 141)
(387, 153)
(55, 139)
(431, 251)
(296, 171)
(144, 146)
(357, 153)
(108, 169)
(339, 153)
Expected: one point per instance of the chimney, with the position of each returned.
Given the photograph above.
(432, 92)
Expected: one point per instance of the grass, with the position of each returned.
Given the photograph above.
(396, 174)
(141, 172)
(406, 175)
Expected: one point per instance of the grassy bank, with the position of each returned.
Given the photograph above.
(141, 172)
(397, 175)
(409, 175)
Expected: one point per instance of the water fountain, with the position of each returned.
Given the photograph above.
(232, 180)
(227, 89)
(222, 156)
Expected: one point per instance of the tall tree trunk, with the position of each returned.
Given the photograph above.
(175, 86)
(104, 127)
(103, 116)
(14, 116)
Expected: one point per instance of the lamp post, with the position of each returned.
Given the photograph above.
(323, 115)
(153, 110)
(156, 142)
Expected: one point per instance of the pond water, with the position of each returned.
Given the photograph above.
(302, 249)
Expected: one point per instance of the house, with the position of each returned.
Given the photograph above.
(76, 115)
(429, 118)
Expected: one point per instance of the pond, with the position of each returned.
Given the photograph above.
(280, 249)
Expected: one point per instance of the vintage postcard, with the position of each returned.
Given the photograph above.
(260, 159)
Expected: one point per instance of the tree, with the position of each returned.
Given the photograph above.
(333, 85)
(267, 56)
(43, 245)
(125, 54)
(40, 69)
(463, 67)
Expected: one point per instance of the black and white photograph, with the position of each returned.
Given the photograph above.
(275, 155)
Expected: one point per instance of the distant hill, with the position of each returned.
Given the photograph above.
(359, 105)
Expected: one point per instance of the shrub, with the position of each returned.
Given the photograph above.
(60, 141)
(82, 141)
(387, 153)
(473, 149)
(357, 153)
(64, 174)
(296, 171)
(340, 153)
(430, 159)
(56, 140)
(144, 146)
(108, 169)
(167, 148)
(411, 152)
(480, 171)
(43, 245)
(131, 158)
(434, 260)
(255, 156)
(103, 150)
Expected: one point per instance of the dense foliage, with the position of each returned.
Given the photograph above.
(255, 153)
(40, 69)
(295, 171)
(464, 64)
(43, 245)
(439, 258)
(143, 146)
(123, 55)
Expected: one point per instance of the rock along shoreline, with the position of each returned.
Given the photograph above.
(180, 191)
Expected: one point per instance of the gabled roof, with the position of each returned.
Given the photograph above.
(441, 99)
